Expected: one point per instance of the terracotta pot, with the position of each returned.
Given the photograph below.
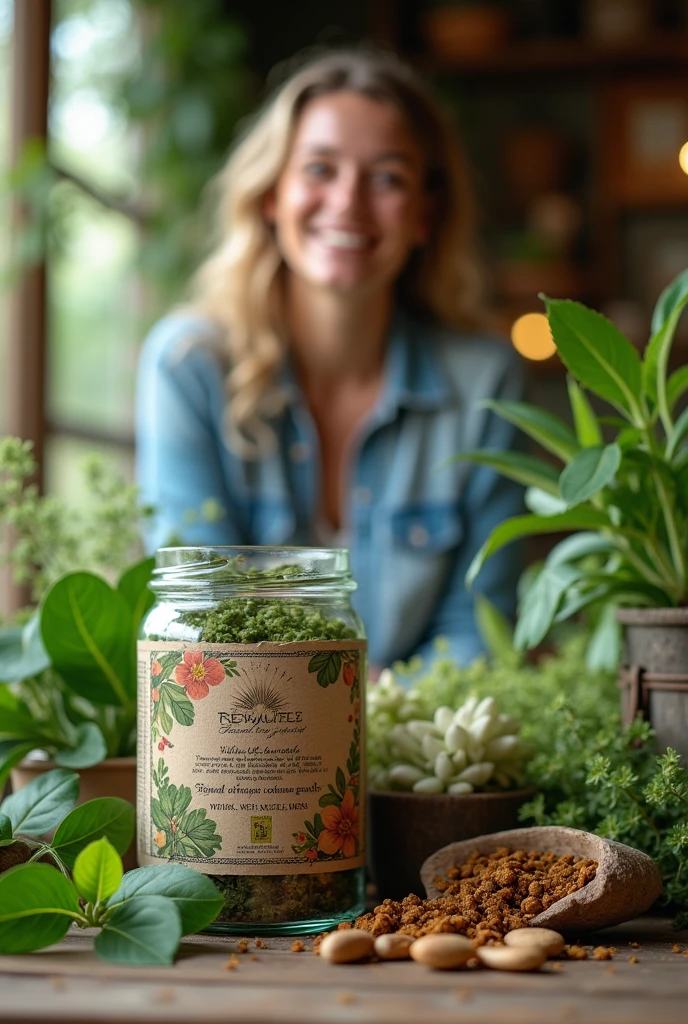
(405, 828)
(115, 776)
(654, 675)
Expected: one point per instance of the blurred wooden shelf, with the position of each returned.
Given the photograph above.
(665, 52)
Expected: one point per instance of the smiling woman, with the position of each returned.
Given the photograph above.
(335, 356)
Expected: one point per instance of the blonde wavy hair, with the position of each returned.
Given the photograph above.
(239, 286)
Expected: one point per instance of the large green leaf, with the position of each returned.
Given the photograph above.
(495, 629)
(579, 518)
(587, 426)
(673, 294)
(597, 353)
(144, 931)
(41, 804)
(89, 750)
(677, 385)
(133, 586)
(657, 352)
(97, 871)
(579, 545)
(106, 816)
(588, 472)
(541, 602)
(524, 469)
(37, 906)
(548, 430)
(604, 647)
(22, 654)
(86, 629)
(195, 896)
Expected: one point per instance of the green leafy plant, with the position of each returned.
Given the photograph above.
(141, 915)
(69, 669)
(627, 499)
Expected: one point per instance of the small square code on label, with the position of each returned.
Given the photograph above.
(261, 829)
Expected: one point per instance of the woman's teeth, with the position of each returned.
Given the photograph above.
(344, 239)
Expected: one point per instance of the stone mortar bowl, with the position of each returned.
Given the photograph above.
(627, 881)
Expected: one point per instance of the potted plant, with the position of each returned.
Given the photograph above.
(68, 662)
(624, 498)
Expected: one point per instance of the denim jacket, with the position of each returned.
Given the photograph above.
(413, 519)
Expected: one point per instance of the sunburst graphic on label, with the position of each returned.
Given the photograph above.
(260, 697)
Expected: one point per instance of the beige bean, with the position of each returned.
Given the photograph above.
(442, 951)
(346, 946)
(550, 940)
(394, 946)
(512, 958)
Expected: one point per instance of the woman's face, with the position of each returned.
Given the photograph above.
(350, 203)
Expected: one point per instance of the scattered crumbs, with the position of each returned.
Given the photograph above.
(254, 957)
(575, 952)
(166, 995)
(675, 948)
(602, 953)
(242, 946)
(297, 946)
(345, 998)
(463, 994)
(261, 945)
(232, 963)
(633, 959)
(635, 945)
(611, 968)
(57, 983)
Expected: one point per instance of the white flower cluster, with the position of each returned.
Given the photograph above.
(459, 750)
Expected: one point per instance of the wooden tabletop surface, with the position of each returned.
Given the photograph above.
(69, 983)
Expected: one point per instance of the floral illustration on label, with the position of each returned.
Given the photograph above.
(178, 830)
(177, 680)
(334, 832)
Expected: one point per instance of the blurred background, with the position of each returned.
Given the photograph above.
(115, 113)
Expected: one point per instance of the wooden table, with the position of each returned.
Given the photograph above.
(68, 983)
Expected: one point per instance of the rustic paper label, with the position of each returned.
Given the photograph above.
(250, 756)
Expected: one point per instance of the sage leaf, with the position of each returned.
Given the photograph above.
(86, 629)
(97, 871)
(41, 804)
(550, 432)
(588, 472)
(6, 830)
(141, 931)
(587, 425)
(597, 353)
(37, 906)
(22, 654)
(195, 896)
(89, 750)
(579, 518)
(106, 816)
(524, 469)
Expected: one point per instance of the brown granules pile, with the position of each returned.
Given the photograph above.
(486, 897)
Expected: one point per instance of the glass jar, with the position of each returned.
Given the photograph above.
(251, 668)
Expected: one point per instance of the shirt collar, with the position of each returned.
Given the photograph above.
(413, 371)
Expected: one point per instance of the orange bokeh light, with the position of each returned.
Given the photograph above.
(531, 336)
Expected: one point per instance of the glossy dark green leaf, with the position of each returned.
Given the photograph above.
(579, 518)
(550, 432)
(97, 871)
(41, 804)
(588, 472)
(22, 654)
(141, 931)
(107, 816)
(91, 748)
(524, 469)
(585, 421)
(597, 353)
(37, 906)
(86, 629)
(196, 897)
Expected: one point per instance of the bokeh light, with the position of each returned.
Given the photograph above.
(683, 158)
(531, 336)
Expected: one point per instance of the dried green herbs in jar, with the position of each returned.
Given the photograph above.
(251, 669)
